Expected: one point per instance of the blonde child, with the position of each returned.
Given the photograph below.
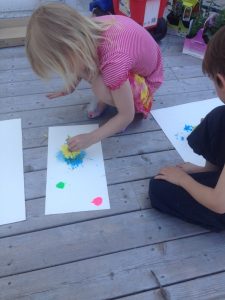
(193, 193)
(118, 57)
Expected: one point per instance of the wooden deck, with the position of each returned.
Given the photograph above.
(130, 251)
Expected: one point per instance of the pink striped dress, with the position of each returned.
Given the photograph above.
(129, 52)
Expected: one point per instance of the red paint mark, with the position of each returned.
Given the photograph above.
(97, 201)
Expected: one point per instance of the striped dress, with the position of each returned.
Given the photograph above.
(129, 52)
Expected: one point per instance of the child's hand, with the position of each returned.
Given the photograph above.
(59, 94)
(173, 175)
(79, 142)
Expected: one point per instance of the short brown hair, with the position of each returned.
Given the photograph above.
(214, 60)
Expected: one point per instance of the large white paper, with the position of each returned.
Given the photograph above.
(12, 199)
(178, 121)
(82, 188)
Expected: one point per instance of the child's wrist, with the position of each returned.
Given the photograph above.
(93, 137)
(185, 181)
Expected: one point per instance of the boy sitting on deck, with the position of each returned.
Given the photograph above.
(193, 193)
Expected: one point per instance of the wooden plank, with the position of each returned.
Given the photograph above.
(126, 197)
(13, 63)
(48, 117)
(39, 101)
(168, 41)
(174, 99)
(181, 60)
(115, 147)
(27, 74)
(187, 71)
(35, 86)
(93, 238)
(38, 136)
(133, 167)
(196, 85)
(74, 114)
(169, 61)
(10, 89)
(82, 96)
(13, 32)
(26, 5)
(206, 288)
(14, 22)
(170, 46)
(13, 52)
(117, 275)
(11, 37)
(18, 75)
(118, 170)
(185, 85)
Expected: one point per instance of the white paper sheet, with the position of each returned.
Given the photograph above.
(178, 121)
(151, 12)
(83, 188)
(12, 198)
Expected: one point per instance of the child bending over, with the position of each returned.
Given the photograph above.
(192, 193)
(118, 57)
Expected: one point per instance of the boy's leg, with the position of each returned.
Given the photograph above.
(174, 200)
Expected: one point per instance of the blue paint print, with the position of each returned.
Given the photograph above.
(188, 128)
(180, 137)
(72, 162)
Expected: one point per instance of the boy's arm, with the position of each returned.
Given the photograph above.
(192, 168)
(212, 198)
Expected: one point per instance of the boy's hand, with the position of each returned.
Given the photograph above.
(173, 175)
(79, 142)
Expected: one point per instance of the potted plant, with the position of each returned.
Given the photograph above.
(181, 15)
(202, 28)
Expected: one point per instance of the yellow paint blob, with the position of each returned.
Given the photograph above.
(67, 153)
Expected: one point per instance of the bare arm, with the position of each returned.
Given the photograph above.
(192, 168)
(212, 198)
(123, 100)
(64, 92)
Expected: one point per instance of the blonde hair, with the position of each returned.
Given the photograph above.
(61, 40)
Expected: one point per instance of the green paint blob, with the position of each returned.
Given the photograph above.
(60, 185)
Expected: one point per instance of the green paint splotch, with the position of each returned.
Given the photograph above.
(60, 185)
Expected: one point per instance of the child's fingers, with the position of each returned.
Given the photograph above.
(160, 176)
(55, 95)
(72, 144)
(52, 96)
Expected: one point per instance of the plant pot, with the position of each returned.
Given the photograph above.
(195, 46)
